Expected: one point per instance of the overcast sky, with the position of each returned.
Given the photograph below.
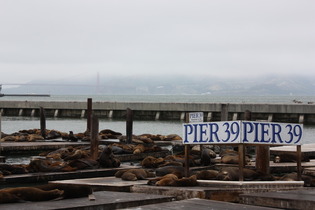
(59, 39)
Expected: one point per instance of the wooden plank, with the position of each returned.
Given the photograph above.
(103, 200)
(199, 204)
(51, 176)
(297, 199)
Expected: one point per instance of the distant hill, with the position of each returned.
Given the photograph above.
(141, 85)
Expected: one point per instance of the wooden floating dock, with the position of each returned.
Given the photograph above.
(103, 200)
(45, 177)
(213, 190)
(297, 199)
(18, 147)
(307, 149)
(199, 204)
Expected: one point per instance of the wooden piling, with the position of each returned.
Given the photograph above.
(94, 137)
(263, 157)
(187, 151)
(42, 122)
(89, 114)
(241, 163)
(129, 122)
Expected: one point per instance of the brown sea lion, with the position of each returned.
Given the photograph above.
(283, 157)
(309, 181)
(136, 174)
(173, 180)
(151, 162)
(232, 174)
(207, 174)
(107, 159)
(178, 170)
(30, 194)
(69, 191)
(39, 165)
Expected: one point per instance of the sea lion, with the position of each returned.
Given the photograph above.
(83, 163)
(283, 157)
(232, 174)
(151, 162)
(309, 181)
(69, 191)
(134, 174)
(178, 170)
(107, 159)
(173, 180)
(39, 165)
(207, 174)
(206, 156)
(30, 194)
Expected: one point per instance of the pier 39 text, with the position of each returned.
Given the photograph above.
(246, 132)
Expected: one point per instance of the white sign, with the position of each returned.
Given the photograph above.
(246, 132)
(195, 117)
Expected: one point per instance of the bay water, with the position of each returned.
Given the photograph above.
(14, 124)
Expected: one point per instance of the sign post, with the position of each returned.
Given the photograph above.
(192, 117)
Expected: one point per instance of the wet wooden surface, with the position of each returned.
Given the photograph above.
(295, 199)
(307, 149)
(103, 200)
(199, 204)
(44, 177)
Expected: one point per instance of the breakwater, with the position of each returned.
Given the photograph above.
(291, 113)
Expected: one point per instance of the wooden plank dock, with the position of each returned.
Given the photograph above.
(296, 199)
(51, 176)
(307, 149)
(199, 204)
(103, 200)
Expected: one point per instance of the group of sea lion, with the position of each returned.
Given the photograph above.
(32, 135)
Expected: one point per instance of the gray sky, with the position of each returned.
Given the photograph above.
(59, 39)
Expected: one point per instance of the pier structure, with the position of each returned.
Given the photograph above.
(290, 113)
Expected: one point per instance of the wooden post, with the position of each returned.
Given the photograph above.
(187, 151)
(299, 154)
(94, 137)
(263, 158)
(89, 114)
(42, 122)
(241, 163)
(129, 122)
(299, 160)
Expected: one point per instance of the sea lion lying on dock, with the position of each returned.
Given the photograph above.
(232, 174)
(8, 169)
(43, 193)
(289, 157)
(309, 181)
(134, 174)
(69, 191)
(20, 194)
(173, 180)
(177, 170)
(39, 165)
(151, 162)
(207, 174)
